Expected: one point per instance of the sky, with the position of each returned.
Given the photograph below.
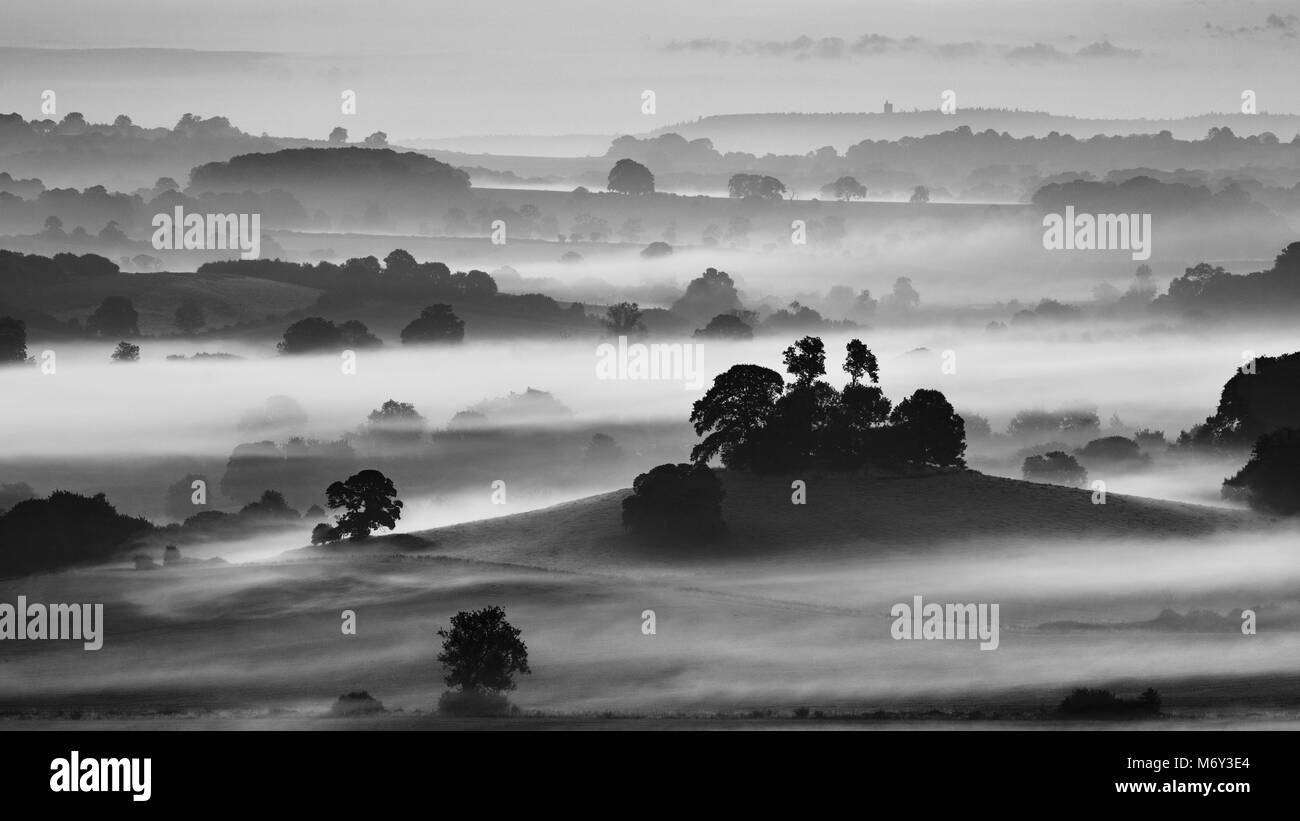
(437, 69)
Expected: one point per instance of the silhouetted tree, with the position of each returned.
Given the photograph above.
(860, 360)
(482, 652)
(377, 140)
(369, 501)
(676, 501)
(399, 419)
(1270, 480)
(929, 431)
(126, 352)
(920, 194)
(805, 360)
(733, 411)
(62, 530)
(436, 324)
(338, 135)
(631, 177)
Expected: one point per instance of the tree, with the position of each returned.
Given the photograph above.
(315, 334)
(339, 135)
(845, 188)
(436, 324)
(400, 263)
(112, 233)
(726, 326)
(929, 431)
(397, 419)
(657, 249)
(681, 502)
(920, 194)
(309, 335)
(733, 412)
(126, 352)
(755, 186)
(711, 293)
(860, 360)
(13, 340)
(370, 502)
(1054, 467)
(631, 177)
(115, 316)
(189, 317)
(623, 319)
(377, 140)
(53, 226)
(904, 297)
(805, 360)
(1270, 480)
(482, 652)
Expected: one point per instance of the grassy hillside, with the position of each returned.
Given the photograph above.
(844, 513)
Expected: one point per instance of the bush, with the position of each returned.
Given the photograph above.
(676, 501)
(1088, 703)
(1054, 467)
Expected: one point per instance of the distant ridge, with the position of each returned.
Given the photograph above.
(796, 133)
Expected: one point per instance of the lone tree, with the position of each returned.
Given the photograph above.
(436, 324)
(370, 502)
(126, 352)
(920, 194)
(481, 653)
(339, 135)
(115, 316)
(845, 188)
(13, 340)
(681, 502)
(623, 319)
(861, 360)
(631, 177)
(189, 317)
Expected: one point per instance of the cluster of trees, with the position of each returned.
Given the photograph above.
(318, 335)
(752, 419)
(33, 270)
(755, 186)
(64, 529)
(1211, 289)
(398, 274)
